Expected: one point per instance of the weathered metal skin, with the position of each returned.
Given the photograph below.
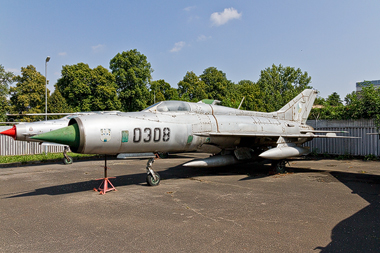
(25, 130)
(154, 133)
(175, 126)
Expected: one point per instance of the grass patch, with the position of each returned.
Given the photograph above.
(39, 157)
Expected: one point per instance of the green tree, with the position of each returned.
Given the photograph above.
(252, 96)
(328, 112)
(86, 89)
(334, 99)
(161, 90)
(57, 104)
(133, 74)
(218, 87)
(191, 88)
(103, 89)
(29, 94)
(319, 101)
(365, 104)
(5, 81)
(281, 84)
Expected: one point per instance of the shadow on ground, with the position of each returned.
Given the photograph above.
(361, 231)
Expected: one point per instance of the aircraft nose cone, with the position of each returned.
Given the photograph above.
(67, 136)
(10, 132)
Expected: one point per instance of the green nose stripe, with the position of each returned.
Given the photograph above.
(68, 136)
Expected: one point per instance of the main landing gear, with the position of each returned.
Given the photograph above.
(279, 166)
(152, 178)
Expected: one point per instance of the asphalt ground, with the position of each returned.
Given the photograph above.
(318, 206)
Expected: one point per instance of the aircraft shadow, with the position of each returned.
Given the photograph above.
(361, 231)
(251, 171)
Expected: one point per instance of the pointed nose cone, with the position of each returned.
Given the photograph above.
(10, 132)
(68, 136)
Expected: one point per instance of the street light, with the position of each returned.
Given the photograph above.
(46, 61)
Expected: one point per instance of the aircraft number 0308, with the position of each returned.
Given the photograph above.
(148, 134)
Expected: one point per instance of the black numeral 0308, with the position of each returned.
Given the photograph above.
(149, 134)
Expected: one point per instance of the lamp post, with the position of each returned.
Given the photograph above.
(46, 61)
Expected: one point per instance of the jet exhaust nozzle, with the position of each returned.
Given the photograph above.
(213, 161)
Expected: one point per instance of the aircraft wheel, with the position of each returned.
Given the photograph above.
(279, 166)
(163, 155)
(151, 181)
(68, 160)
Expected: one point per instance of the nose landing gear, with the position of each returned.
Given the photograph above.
(152, 178)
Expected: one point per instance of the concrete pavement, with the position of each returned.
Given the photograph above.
(319, 206)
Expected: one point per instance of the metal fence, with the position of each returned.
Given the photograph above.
(8, 146)
(366, 145)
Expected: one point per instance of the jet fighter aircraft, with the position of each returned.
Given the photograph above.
(24, 130)
(176, 126)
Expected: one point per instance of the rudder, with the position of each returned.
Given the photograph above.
(298, 109)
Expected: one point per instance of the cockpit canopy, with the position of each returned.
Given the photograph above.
(169, 106)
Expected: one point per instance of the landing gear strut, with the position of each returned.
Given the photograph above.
(279, 166)
(152, 178)
(66, 158)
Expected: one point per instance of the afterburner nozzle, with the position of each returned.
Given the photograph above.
(67, 135)
(10, 132)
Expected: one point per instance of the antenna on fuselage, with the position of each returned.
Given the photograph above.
(241, 103)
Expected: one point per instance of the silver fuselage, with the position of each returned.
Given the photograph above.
(25, 130)
(183, 130)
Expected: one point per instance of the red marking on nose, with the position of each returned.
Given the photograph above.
(10, 132)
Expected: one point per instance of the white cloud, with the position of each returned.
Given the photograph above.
(203, 37)
(189, 8)
(98, 48)
(62, 54)
(220, 18)
(178, 46)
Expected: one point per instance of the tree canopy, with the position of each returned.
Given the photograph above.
(191, 88)
(217, 86)
(279, 84)
(133, 74)
(129, 87)
(29, 94)
(161, 90)
(86, 89)
(5, 79)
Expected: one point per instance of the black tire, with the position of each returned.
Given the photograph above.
(68, 160)
(279, 166)
(150, 180)
(163, 155)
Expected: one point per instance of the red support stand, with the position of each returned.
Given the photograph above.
(106, 184)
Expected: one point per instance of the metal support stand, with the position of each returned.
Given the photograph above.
(106, 184)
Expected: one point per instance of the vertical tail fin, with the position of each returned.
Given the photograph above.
(298, 108)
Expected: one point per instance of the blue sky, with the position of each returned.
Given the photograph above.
(336, 42)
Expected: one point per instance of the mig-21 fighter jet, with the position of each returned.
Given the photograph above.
(230, 134)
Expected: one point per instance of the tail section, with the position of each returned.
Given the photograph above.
(298, 108)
